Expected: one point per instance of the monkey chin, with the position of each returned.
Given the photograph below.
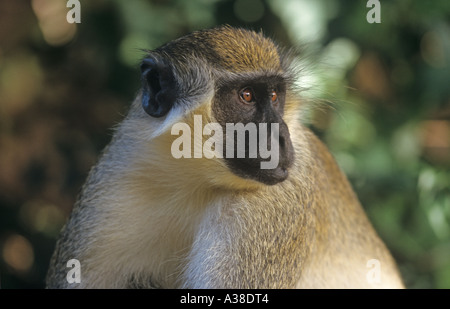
(273, 177)
(252, 170)
(240, 180)
(261, 177)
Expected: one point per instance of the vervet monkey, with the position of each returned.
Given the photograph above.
(214, 219)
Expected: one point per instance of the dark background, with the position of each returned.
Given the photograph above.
(379, 94)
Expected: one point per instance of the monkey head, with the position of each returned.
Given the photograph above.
(234, 78)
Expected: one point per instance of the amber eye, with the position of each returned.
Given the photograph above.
(247, 95)
(274, 96)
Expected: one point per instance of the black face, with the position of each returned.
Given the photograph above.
(257, 103)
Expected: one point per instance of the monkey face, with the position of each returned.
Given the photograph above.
(260, 148)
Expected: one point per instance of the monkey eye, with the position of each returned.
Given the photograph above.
(246, 95)
(274, 96)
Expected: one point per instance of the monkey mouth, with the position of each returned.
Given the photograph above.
(251, 170)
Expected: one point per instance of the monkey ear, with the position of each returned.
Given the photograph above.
(159, 88)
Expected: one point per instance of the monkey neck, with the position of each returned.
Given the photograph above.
(148, 204)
